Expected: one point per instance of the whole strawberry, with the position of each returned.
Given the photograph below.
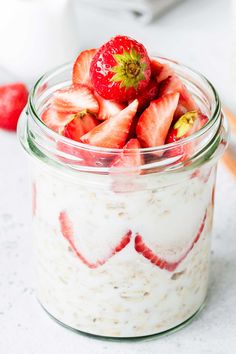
(13, 98)
(120, 69)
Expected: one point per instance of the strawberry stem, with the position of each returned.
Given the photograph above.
(129, 69)
(184, 123)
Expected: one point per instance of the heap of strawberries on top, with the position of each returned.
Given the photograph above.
(121, 98)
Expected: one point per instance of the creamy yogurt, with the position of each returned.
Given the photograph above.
(93, 285)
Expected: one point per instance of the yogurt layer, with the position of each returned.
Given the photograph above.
(125, 294)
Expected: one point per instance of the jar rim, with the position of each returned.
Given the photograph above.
(38, 139)
(215, 112)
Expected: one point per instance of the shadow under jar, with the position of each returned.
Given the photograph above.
(122, 253)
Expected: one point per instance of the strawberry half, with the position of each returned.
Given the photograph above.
(120, 69)
(107, 108)
(113, 132)
(56, 120)
(82, 123)
(154, 123)
(130, 155)
(159, 261)
(74, 99)
(186, 102)
(13, 98)
(186, 125)
(81, 68)
(68, 232)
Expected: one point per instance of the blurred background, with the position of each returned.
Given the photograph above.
(38, 35)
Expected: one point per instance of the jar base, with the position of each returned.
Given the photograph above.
(129, 339)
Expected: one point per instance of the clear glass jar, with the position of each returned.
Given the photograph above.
(122, 253)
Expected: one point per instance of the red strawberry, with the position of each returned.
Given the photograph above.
(165, 72)
(120, 69)
(154, 123)
(13, 98)
(81, 68)
(156, 68)
(148, 95)
(56, 120)
(107, 108)
(160, 262)
(113, 132)
(186, 125)
(68, 233)
(74, 99)
(82, 123)
(186, 103)
(130, 155)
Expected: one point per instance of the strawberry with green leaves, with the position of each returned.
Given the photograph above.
(67, 104)
(119, 98)
(185, 126)
(81, 124)
(120, 69)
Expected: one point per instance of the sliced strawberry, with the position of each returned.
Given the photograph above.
(160, 71)
(56, 120)
(113, 132)
(154, 123)
(148, 95)
(130, 155)
(159, 261)
(67, 231)
(74, 99)
(80, 125)
(107, 108)
(165, 72)
(186, 102)
(34, 198)
(186, 125)
(170, 85)
(156, 68)
(81, 68)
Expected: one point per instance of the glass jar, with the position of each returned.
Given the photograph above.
(122, 252)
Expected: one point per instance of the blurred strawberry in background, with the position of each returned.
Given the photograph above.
(36, 36)
(13, 98)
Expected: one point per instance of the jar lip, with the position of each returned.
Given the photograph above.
(212, 119)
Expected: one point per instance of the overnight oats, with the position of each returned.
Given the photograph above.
(124, 151)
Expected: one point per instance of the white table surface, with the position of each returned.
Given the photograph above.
(197, 31)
